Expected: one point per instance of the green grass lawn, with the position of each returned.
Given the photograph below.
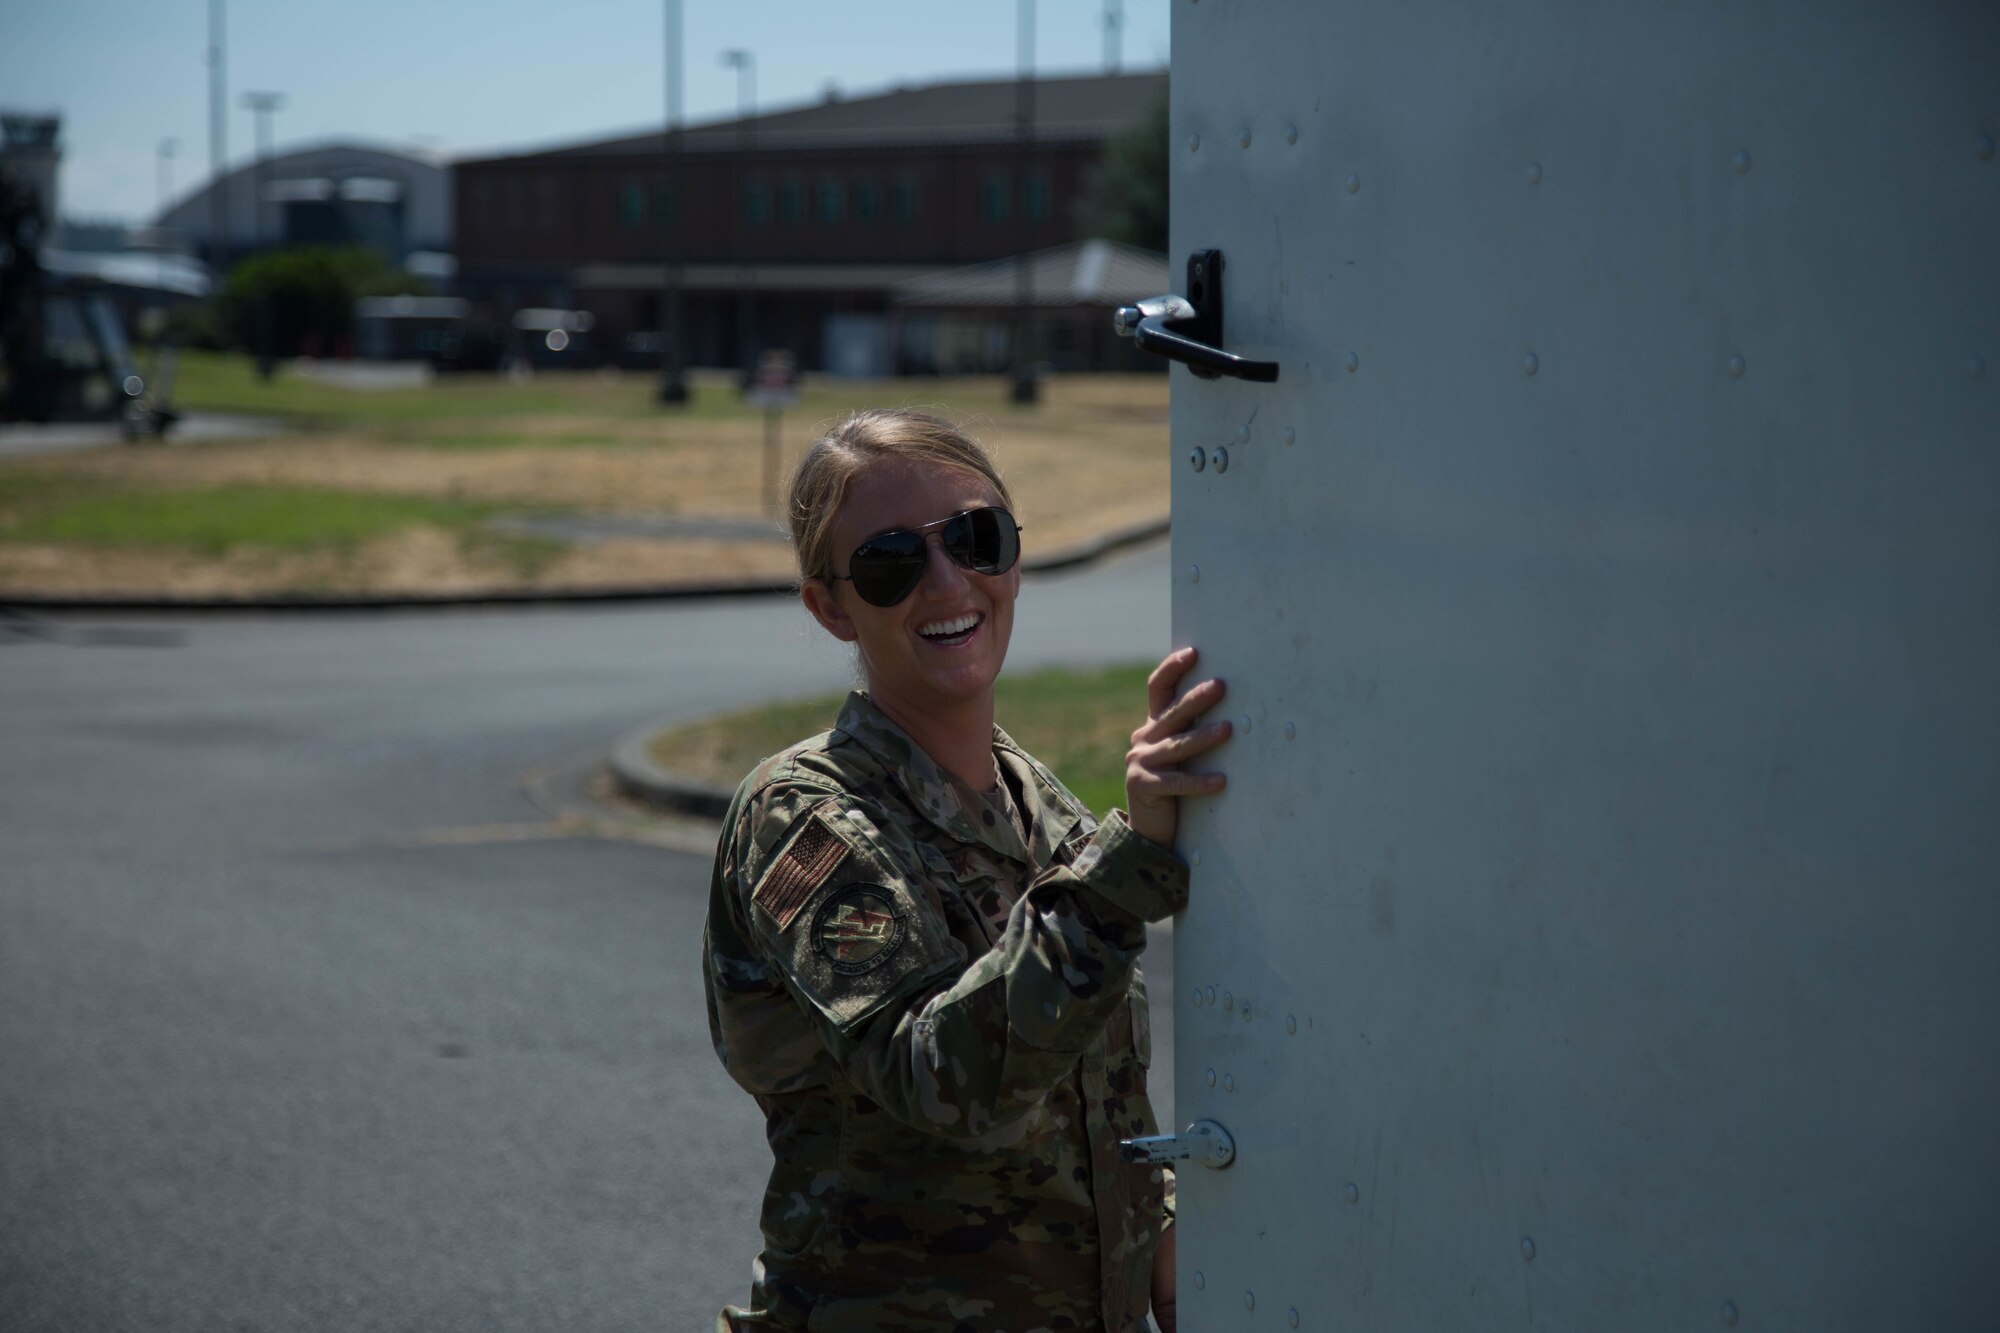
(225, 382)
(1077, 722)
(217, 519)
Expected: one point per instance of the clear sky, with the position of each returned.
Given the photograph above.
(461, 77)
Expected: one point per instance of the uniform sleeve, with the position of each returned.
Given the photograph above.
(842, 905)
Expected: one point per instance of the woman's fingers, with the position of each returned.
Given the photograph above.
(1153, 770)
(1168, 738)
(1180, 715)
(1166, 678)
(1180, 747)
(1154, 783)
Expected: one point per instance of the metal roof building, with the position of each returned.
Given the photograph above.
(798, 228)
(1081, 108)
(332, 193)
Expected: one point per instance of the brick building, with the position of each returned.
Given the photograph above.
(796, 228)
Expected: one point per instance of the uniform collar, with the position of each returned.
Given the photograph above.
(936, 793)
(1052, 810)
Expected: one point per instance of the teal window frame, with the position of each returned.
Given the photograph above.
(1037, 195)
(994, 196)
(830, 202)
(867, 200)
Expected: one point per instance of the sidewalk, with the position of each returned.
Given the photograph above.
(24, 439)
(638, 777)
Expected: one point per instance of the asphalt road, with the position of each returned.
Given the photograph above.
(318, 1011)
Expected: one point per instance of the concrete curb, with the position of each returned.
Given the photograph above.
(1097, 548)
(638, 776)
(1069, 557)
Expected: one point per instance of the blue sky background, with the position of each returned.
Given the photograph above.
(463, 78)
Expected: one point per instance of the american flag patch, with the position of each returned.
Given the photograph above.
(814, 854)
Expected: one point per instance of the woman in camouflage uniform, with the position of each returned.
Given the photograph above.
(921, 953)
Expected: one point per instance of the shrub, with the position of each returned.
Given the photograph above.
(312, 290)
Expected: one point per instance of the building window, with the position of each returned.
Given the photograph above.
(549, 200)
(906, 199)
(993, 196)
(632, 204)
(831, 201)
(1035, 197)
(791, 200)
(867, 200)
(757, 201)
(663, 203)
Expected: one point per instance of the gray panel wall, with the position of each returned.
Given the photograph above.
(1609, 593)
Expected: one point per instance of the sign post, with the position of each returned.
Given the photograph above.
(774, 388)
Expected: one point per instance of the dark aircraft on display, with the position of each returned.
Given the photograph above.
(64, 354)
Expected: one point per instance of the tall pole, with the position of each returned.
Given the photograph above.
(745, 64)
(1025, 388)
(264, 106)
(218, 144)
(1114, 31)
(673, 376)
(167, 147)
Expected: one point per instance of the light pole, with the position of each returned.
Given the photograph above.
(218, 144)
(673, 377)
(264, 106)
(1026, 390)
(745, 64)
(167, 147)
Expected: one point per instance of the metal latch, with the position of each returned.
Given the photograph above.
(1188, 328)
(1204, 1141)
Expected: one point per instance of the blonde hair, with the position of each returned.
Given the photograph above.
(822, 478)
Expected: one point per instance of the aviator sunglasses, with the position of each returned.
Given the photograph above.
(884, 569)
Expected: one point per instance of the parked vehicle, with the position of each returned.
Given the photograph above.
(548, 338)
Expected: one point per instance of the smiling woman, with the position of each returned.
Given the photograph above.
(922, 951)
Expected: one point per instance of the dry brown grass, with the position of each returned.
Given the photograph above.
(1092, 458)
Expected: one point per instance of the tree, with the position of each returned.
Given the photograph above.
(312, 290)
(1126, 198)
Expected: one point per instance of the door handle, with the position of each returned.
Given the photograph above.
(1188, 329)
(1204, 1141)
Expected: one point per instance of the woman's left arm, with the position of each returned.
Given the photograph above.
(972, 1056)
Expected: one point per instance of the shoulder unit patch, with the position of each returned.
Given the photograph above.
(857, 929)
(816, 852)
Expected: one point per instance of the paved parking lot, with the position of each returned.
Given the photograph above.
(316, 1011)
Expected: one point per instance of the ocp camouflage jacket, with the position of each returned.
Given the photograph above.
(946, 1030)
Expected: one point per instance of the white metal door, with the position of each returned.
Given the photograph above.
(1600, 927)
